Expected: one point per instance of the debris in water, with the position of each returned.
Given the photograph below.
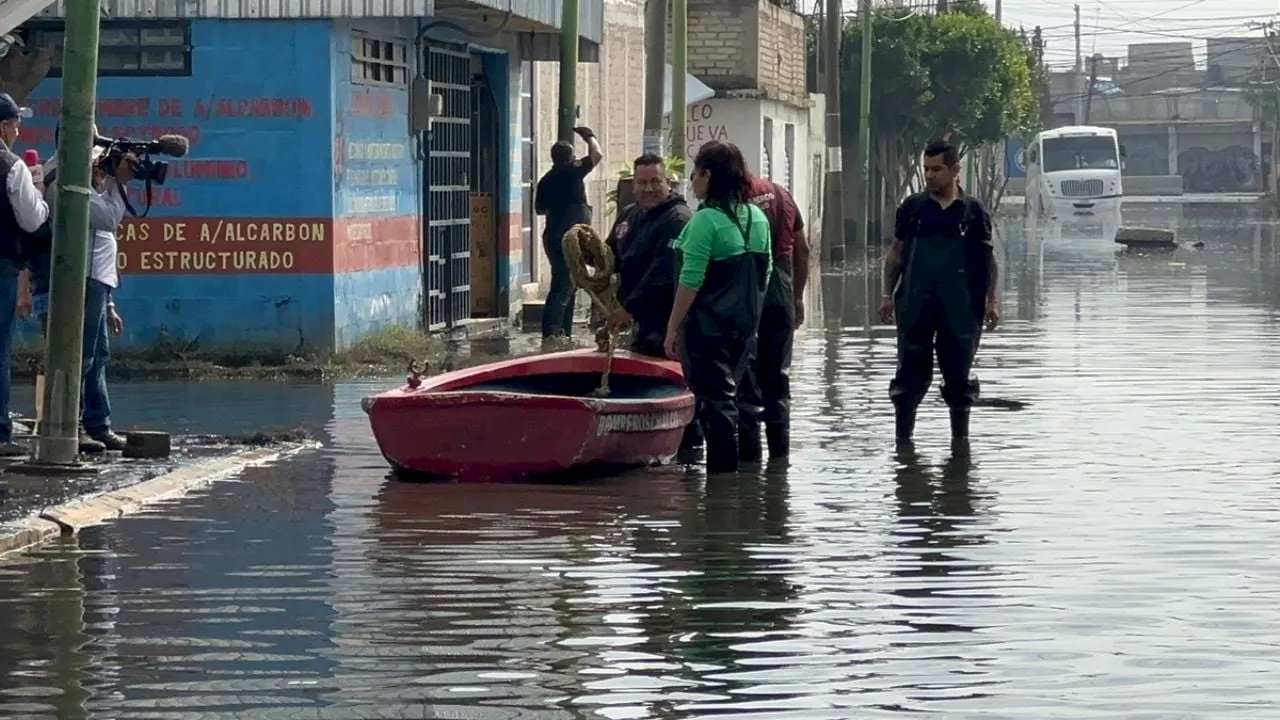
(1140, 238)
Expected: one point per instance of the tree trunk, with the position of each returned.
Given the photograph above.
(22, 69)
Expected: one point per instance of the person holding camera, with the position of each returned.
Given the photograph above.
(106, 211)
(561, 196)
(22, 214)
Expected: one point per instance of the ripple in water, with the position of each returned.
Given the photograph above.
(1107, 552)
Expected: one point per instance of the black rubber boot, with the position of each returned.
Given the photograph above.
(959, 423)
(904, 423)
(779, 439)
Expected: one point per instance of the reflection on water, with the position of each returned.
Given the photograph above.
(1108, 552)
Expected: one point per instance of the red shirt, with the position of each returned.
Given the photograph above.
(780, 208)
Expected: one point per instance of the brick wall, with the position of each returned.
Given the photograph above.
(782, 55)
(610, 100)
(748, 45)
(722, 44)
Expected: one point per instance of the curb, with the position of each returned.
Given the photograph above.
(71, 517)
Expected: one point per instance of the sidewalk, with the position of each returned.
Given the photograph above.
(35, 508)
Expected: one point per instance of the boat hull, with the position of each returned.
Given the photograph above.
(477, 425)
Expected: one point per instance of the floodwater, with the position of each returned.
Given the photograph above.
(1110, 551)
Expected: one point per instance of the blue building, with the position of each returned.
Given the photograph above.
(318, 203)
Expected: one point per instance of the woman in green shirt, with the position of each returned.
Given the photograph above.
(725, 261)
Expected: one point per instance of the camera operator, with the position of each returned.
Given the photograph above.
(22, 213)
(106, 211)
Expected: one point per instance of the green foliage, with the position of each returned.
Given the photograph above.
(959, 73)
(674, 167)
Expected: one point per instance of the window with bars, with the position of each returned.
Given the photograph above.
(766, 155)
(377, 61)
(528, 172)
(789, 156)
(129, 47)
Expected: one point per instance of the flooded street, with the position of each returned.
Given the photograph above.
(1107, 552)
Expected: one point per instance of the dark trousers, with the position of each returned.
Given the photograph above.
(8, 319)
(929, 326)
(95, 401)
(764, 395)
(557, 313)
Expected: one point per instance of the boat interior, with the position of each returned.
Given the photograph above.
(583, 384)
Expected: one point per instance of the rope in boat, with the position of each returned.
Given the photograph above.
(591, 265)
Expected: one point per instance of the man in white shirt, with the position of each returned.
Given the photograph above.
(22, 213)
(106, 211)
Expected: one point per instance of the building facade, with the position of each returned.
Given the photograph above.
(317, 204)
(1183, 124)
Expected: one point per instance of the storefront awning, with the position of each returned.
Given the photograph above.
(694, 90)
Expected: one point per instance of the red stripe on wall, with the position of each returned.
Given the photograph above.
(373, 243)
(509, 240)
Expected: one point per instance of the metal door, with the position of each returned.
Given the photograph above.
(448, 190)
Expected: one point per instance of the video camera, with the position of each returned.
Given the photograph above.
(145, 169)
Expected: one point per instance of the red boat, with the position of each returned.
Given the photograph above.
(534, 415)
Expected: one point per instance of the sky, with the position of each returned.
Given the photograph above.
(1109, 26)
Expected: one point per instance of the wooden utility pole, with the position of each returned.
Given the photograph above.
(1093, 80)
(655, 69)
(833, 247)
(58, 444)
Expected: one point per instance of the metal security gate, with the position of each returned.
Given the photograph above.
(447, 185)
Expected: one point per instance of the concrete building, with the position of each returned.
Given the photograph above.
(1186, 127)
(748, 51)
(316, 205)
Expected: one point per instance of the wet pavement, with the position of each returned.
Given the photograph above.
(1107, 552)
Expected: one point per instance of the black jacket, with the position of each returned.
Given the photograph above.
(641, 243)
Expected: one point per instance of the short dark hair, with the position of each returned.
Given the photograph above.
(728, 183)
(648, 159)
(562, 153)
(949, 154)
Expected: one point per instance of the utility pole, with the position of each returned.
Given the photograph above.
(864, 137)
(568, 70)
(1093, 80)
(59, 441)
(655, 68)
(1079, 58)
(679, 71)
(998, 13)
(833, 247)
(1078, 74)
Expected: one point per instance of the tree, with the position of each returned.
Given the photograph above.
(24, 65)
(959, 75)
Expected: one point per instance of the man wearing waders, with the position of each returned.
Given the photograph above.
(765, 391)
(939, 286)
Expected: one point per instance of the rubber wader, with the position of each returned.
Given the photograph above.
(936, 309)
(765, 392)
(716, 343)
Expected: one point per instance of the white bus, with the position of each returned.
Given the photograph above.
(1073, 173)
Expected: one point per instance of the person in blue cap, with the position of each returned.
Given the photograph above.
(23, 212)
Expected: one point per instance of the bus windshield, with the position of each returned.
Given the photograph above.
(1092, 152)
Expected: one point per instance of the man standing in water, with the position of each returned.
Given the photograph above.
(561, 197)
(641, 242)
(764, 395)
(939, 285)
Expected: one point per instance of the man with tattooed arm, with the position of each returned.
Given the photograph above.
(940, 288)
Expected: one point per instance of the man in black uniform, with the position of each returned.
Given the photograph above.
(939, 286)
(561, 196)
(641, 243)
